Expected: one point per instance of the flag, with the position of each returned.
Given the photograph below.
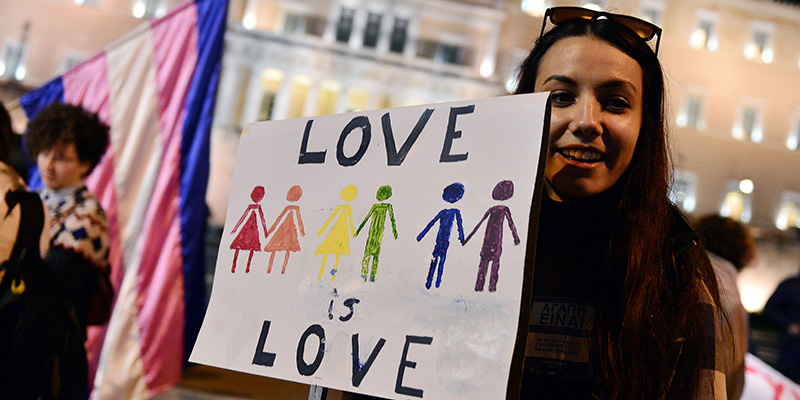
(155, 88)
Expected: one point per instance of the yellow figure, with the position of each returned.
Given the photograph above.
(338, 239)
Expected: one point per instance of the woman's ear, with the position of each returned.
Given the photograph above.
(84, 167)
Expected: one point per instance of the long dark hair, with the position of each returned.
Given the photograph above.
(651, 332)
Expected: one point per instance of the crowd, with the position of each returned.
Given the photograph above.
(658, 289)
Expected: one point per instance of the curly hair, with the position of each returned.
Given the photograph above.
(726, 238)
(61, 124)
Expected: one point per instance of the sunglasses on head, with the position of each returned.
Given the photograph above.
(642, 28)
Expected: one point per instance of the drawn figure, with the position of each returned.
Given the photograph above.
(285, 238)
(493, 238)
(338, 239)
(451, 194)
(375, 237)
(247, 239)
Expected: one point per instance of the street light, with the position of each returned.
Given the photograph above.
(746, 186)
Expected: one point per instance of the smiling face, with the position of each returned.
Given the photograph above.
(596, 115)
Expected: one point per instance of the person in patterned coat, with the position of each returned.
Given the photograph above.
(67, 142)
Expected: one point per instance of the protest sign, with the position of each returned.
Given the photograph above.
(379, 252)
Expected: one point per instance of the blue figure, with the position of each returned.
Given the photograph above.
(451, 194)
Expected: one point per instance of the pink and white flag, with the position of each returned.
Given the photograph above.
(155, 88)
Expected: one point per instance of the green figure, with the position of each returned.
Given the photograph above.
(375, 237)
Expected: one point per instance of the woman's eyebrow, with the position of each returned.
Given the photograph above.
(619, 84)
(561, 78)
(614, 84)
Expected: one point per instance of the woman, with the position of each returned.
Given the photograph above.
(730, 248)
(623, 296)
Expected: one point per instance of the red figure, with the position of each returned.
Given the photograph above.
(285, 238)
(247, 239)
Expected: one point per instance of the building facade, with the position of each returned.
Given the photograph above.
(288, 59)
(733, 71)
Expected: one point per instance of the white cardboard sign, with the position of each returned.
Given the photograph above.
(342, 263)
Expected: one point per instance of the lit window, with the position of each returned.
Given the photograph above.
(794, 133)
(357, 99)
(535, 8)
(691, 114)
(683, 192)
(271, 81)
(652, 11)
(385, 100)
(250, 15)
(299, 88)
(12, 60)
(748, 125)
(345, 26)
(88, 3)
(759, 47)
(328, 97)
(149, 8)
(704, 34)
(373, 30)
(738, 201)
(789, 213)
(397, 42)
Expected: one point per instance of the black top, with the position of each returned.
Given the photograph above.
(567, 284)
(783, 307)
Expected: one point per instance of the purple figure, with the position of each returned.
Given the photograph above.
(451, 194)
(247, 239)
(493, 239)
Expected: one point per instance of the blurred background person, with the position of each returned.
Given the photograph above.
(41, 343)
(6, 135)
(10, 180)
(10, 150)
(731, 248)
(783, 309)
(67, 142)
